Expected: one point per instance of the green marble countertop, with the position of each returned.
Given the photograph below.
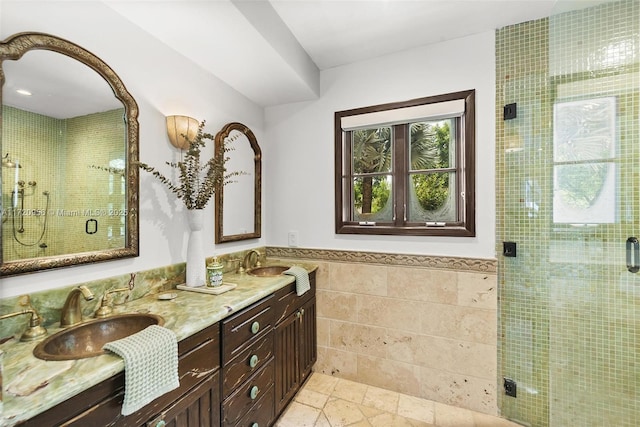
(31, 385)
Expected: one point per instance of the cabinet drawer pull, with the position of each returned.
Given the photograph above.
(254, 392)
(158, 422)
(253, 361)
(255, 327)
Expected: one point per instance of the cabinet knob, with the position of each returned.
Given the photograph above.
(255, 425)
(253, 361)
(157, 422)
(255, 327)
(254, 392)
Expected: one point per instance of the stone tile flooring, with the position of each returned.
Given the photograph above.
(326, 401)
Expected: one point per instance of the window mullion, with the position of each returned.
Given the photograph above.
(400, 160)
(348, 173)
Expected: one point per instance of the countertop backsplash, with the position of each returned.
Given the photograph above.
(49, 303)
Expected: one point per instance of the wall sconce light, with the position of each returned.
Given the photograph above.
(181, 125)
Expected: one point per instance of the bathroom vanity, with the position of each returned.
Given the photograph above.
(241, 368)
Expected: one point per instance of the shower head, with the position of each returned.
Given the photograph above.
(8, 163)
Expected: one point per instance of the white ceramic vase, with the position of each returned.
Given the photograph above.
(196, 262)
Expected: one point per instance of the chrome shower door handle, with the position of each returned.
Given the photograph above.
(633, 255)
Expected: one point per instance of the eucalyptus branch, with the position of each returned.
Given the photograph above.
(197, 182)
(115, 171)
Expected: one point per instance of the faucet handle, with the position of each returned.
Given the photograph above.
(232, 262)
(105, 308)
(35, 329)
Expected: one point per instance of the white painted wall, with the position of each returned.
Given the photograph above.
(163, 83)
(296, 139)
(299, 161)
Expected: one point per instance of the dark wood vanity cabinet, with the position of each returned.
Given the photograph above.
(240, 372)
(262, 371)
(247, 366)
(295, 341)
(193, 403)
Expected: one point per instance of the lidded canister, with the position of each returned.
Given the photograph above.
(214, 273)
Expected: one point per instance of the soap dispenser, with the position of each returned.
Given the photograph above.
(214, 273)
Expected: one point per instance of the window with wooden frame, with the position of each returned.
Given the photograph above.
(407, 168)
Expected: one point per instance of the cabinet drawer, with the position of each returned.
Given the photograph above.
(243, 399)
(240, 329)
(261, 414)
(250, 360)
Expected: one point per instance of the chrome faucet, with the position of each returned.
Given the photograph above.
(246, 262)
(35, 329)
(71, 313)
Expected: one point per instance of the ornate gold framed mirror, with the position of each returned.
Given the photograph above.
(69, 141)
(238, 204)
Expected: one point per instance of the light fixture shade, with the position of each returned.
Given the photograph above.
(181, 125)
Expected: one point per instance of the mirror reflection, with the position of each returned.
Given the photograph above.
(238, 210)
(69, 132)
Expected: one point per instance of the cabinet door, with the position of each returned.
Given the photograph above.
(308, 352)
(198, 408)
(287, 378)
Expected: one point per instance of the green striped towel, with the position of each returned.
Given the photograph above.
(150, 365)
(302, 279)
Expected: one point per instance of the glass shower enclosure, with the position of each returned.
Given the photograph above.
(568, 197)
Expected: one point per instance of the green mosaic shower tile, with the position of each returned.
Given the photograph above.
(569, 318)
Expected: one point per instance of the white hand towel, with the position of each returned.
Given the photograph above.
(150, 365)
(302, 279)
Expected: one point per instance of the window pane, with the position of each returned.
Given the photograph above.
(431, 145)
(372, 199)
(584, 193)
(584, 130)
(432, 197)
(372, 150)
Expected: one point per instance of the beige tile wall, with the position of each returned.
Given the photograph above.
(429, 332)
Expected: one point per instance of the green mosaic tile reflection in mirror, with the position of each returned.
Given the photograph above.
(567, 193)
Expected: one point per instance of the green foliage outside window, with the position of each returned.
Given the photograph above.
(371, 154)
(380, 193)
(430, 150)
(430, 146)
(432, 190)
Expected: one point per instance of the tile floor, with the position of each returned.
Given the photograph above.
(326, 401)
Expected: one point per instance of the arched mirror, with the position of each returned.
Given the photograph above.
(69, 139)
(238, 213)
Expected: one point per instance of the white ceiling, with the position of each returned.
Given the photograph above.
(335, 33)
(272, 51)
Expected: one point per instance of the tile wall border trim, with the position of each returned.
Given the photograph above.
(440, 262)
